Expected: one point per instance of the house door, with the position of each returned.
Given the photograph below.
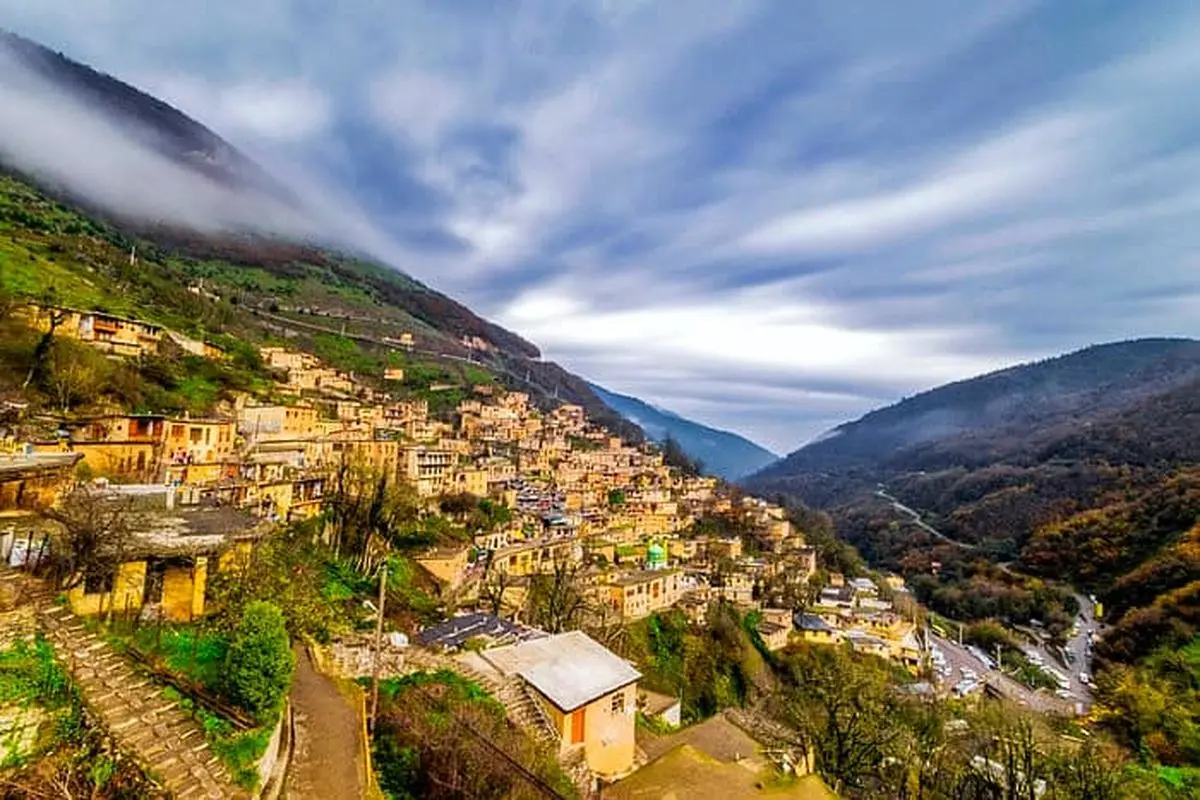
(577, 722)
(153, 592)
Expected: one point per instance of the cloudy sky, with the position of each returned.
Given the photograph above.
(768, 216)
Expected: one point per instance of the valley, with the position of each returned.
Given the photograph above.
(275, 516)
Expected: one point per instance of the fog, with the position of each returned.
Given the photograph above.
(110, 159)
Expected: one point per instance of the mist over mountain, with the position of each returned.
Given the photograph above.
(159, 176)
(105, 144)
(724, 454)
(1016, 414)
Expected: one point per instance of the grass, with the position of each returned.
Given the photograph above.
(31, 676)
(186, 650)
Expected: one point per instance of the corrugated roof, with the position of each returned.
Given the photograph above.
(455, 632)
(569, 669)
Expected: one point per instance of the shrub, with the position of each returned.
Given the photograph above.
(259, 667)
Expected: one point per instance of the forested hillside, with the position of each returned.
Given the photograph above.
(1077, 473)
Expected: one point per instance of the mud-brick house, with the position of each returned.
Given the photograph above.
(166, 563)
(120, 446)
(29, 481)
(586, 692)
(112, 334)
(198, 451)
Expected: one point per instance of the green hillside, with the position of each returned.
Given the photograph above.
(240, 293)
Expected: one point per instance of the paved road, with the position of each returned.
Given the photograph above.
(326, 763)
(918, 521)
(1077, 646)
(958, 659)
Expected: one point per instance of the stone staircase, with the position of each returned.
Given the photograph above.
(511, 691)
(525, 711)
(162, 737)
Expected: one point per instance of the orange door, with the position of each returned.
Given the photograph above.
(577, 720)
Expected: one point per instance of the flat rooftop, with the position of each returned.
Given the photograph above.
(569, 669)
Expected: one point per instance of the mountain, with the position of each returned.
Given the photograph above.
(1011, 415)
(222, 248)
(164, 128)
(724, 454)
(1082, 469)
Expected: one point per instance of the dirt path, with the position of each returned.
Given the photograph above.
(325, 765)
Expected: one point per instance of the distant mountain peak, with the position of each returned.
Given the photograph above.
(724, 454)
(1012, 413)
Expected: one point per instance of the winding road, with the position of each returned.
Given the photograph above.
(920, 523)
(1077, 645)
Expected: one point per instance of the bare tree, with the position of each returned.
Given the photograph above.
(91, 537)
(492, 590)
(556, 600)
(367, 509)
(73, 374)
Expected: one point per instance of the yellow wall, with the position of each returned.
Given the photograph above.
(447, 568)
(236, 558)
(128, 587)
(183, 594)
(609, 736)
(119, 459)
(196, 474)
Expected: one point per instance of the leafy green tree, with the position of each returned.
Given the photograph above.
(294, 571)
(260, 663)
(844, 708)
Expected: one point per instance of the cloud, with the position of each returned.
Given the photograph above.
(286, 111)
(768, 215)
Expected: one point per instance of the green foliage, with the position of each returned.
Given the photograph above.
(1154, 707)
(406, 594)
(708, 667)
(260, 662)
(345, 354)
(616, 497)
(194, 651)
(29, 673)
(429, 742)
(290, 569)
(869, 739)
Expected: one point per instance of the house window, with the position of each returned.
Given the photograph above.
(618, 703)
(99, 580)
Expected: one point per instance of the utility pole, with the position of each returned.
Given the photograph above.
(999, 661)
(960, 634)
(378, 645)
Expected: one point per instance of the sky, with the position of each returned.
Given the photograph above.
(767, 216)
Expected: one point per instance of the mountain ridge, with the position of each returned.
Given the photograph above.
(1080, 472)
(73, 239)
(963, 423)
(726, 454)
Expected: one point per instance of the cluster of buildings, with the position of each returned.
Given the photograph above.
(637, 535)
(852, 611)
